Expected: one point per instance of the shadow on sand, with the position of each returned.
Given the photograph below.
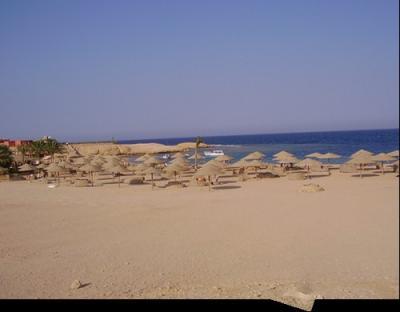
(227, 187)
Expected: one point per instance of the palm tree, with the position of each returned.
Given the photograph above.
(38, 148)
(6, 158)
(199, 140)
(52, 146)
(25, 149)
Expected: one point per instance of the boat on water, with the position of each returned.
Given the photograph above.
(166, 156)
(214, 153)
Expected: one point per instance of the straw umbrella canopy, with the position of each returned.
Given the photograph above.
(308, 163)
(112, 162)
(117, 169)
(109, 165)
(381, 158)
(152, 161)
(287, 160)
(394, 154)
(208, 171)
(199, 156)
(141, 167)
(90, 168)
(314, 155)
(329, 156)
(223, 158)
(283, 154)
(26, 168)
(74, 154)
(81, 161)
(214, 162)
(55, 168)
(254, 164)
(174, 169)
(361, 152)
(65, 165)
(142, 158)
(180, 161)
(239, 164)
(152, 171)
(254, 156)
(131, 167)
(362, 159)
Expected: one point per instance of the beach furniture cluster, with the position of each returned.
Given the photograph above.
(74, 169)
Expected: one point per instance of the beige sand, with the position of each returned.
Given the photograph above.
(254, 239)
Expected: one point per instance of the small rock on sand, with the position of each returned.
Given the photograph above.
(76, 284)
(311, 188)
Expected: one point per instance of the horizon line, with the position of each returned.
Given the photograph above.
(226, 135)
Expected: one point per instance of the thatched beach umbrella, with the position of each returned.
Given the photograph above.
(117, 169)
(361, 152)
(362, 159)
(223, 158)
(174, 169)
(65, 165)
(180, 161)
(152, 171)
(91, 169)
(283, 154)
(41, 166)
(55, 168)
(254, 156)
(382, 158)
(199, 156)
(26, 168)
(314, 155)
(214, 162)
(141, 167)
(308, 163)
(256, 164)
(143, 158)
(152, 161)
(239, 164)
(329, 156)
(208, 171)
(74, 154)
(287, 160)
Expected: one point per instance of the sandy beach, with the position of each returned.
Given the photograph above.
(253, 239)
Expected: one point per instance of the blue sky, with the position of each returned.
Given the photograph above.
(92, 69)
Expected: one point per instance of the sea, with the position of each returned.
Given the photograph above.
(343, 143)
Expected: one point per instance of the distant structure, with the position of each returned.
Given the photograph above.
(14, 143)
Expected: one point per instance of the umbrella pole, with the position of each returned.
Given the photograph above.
(152, 184)
(383, 171)
(119, 180)
(209, 183)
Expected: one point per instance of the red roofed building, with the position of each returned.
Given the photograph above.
(14, 143)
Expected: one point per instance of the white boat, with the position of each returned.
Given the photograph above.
(166, 156)
(214, 153)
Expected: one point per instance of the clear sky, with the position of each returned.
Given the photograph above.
(93, 69)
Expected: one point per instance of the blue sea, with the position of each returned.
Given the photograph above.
(343, 143)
